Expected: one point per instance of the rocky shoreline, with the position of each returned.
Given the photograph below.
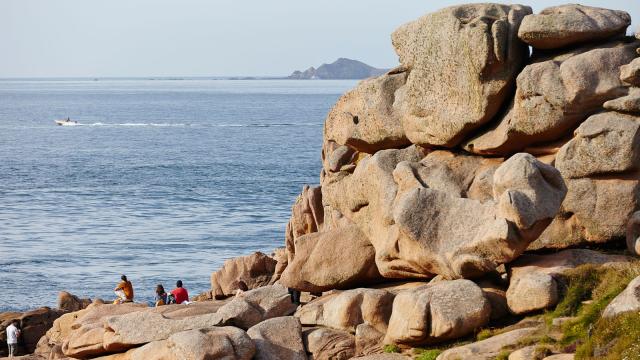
(480, 201)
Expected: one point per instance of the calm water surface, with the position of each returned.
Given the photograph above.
(162, 180)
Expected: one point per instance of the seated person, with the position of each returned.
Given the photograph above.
(124, 291)
(180, 293)
(161, 296)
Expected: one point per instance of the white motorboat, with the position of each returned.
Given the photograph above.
(66, 122)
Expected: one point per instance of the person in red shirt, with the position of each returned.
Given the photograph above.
(179, 293)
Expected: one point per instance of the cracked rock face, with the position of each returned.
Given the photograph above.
(476, 56)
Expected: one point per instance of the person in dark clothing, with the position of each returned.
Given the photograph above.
(295, 296)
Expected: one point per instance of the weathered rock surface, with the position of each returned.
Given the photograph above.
(383, 357)
(34, 325)
(257, 305)
(329, 344)
(50, 345)
(278, 338)
(570, 24)
(335, 259)
(368, 340)
(487, 349)
(227, 343)
(558, 93)
(626, 104)
(595, 210)
(434, 313)
(458, 84)
(347, 309)
(534, 279)
(254, 270)
(533, 352)
(627, 301)
(69, 302)
(605, 143)
(630, 73)
(366, 119)
(413, 215)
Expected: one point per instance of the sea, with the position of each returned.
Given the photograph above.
(161, 179)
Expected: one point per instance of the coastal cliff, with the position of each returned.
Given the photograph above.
(479, 201)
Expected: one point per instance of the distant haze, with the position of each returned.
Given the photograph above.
(80, 38)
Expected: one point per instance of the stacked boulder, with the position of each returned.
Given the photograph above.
(502, 132)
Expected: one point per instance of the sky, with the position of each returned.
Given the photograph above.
(123, 38)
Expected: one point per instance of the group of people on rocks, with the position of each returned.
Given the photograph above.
(124, 293)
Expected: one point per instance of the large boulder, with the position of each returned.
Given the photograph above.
(329, 344)
(69, 302)
(421, 224)
(365, 118)
(368, 340)
(225, 343)
(434, 313)
(630, 73)
(462, 61)
(254, 270)
(487, 349)
(605, 143)
(536, 280)
(347, 309)
(595, 210)
(255, 306)
(554, 95)
(570, 24)
(278, 338)
(627, 301)
(336, 259)
(626, 104)
(34, 324)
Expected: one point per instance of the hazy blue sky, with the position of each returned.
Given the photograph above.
(46, 38)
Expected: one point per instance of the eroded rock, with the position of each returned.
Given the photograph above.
(630, 73)
(420, 227)
(487, 349)
(334, 259)
(627, 301)
(329, 344)
(366, 119)
(564, 25)
(278, 338)
(434, 313)
(458, 84)
(348, 309)
(535, 279)
(555, 95)
(254, 270)
(605, 143)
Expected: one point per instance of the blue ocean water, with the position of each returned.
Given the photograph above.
(161, 180)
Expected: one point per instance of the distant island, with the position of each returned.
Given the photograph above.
(342, 68)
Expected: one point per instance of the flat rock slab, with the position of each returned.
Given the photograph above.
(487, 349)
(561, 26)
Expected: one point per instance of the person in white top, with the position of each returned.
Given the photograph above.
(13, 333)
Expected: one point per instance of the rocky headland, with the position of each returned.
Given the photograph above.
(479, 201)
(340, 69)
